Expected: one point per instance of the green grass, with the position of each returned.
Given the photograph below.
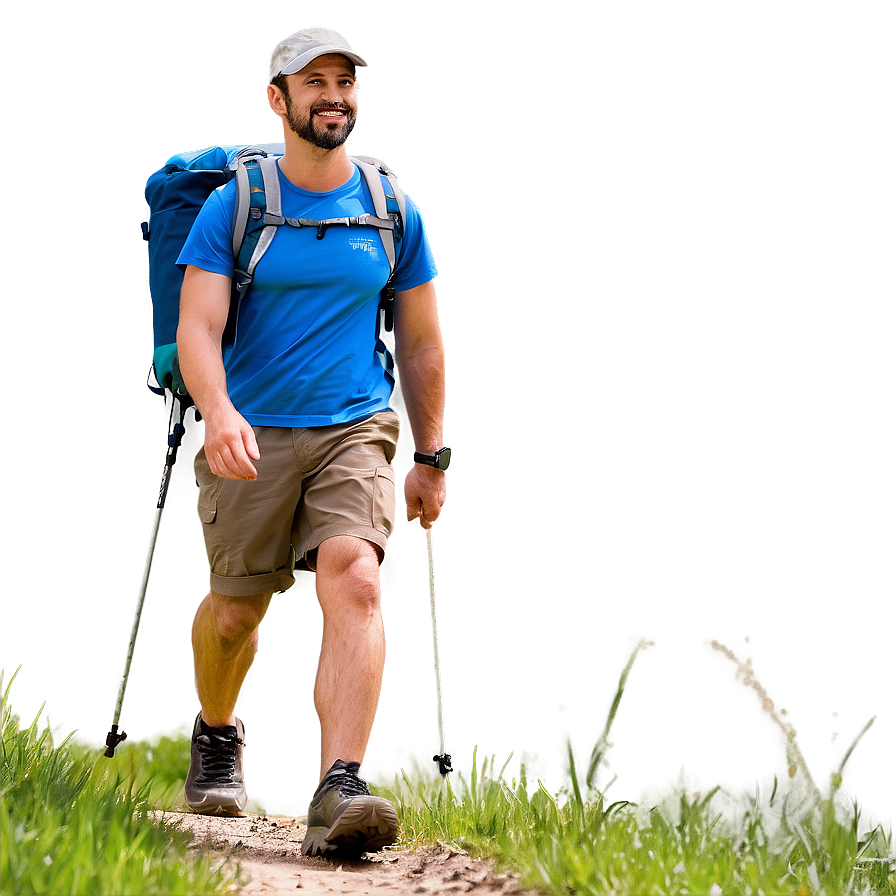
(569, 843)
(70, 823)
(578, 841)
(76, 823)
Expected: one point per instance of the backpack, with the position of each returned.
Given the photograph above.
(177, 191)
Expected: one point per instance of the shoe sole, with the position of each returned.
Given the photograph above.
(366, 825)
(228, 808)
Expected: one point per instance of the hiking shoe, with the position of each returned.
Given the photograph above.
(215, 781)
(344, 818)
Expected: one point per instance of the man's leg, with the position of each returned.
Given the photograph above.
(225, 638)
(353, 651)
(343, 816)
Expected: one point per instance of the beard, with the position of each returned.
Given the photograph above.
(324, 136)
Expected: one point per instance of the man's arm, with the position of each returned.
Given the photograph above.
(230, 445)
(421, 366)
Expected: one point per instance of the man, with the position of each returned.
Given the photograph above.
(299, 439)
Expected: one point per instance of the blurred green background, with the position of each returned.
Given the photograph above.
(666, 235)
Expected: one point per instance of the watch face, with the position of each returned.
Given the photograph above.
(443, 458)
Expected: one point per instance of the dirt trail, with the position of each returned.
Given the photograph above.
(268, 851)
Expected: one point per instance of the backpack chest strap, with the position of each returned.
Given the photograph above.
(366, 220)
(258, 214)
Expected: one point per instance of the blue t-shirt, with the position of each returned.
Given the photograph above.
(305, 352)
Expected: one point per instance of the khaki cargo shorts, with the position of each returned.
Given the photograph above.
(313, 483)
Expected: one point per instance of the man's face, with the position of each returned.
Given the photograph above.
(322, 101)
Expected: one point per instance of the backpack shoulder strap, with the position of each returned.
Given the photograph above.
(387, 173)
(388, 202)
(256, 216)
(385, 193)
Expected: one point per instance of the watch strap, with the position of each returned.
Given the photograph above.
(439, 460)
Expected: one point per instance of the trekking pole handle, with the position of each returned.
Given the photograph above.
(180, 404)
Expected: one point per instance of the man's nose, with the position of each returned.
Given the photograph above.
(334, 93)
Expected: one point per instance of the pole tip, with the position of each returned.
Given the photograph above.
(113, 739)
(444, 761)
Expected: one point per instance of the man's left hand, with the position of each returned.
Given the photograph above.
(424, 494)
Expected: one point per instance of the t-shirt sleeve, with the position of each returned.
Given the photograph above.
(210, 242)
(416, 264)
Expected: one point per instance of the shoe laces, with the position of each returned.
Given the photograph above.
(219, 754)
(346, 780)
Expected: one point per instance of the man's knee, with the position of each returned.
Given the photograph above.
(238, 617)
(348, 572)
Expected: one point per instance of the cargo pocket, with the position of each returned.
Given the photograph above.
(384, 500)
(209, 489)
(208, 509)
(390, 423)
(209, 492)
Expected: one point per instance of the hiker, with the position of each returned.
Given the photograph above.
(299, 438)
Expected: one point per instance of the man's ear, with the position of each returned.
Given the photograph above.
(276, 99)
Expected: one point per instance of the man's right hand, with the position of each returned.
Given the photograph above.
(230, 446)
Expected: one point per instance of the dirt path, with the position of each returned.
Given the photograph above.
(268, 851)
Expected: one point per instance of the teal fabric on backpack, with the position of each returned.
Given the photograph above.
(166, 370)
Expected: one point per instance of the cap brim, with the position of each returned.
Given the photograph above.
(309, 56)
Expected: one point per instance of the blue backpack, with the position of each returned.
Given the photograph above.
(177, 191)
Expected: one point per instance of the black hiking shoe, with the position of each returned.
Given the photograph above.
(344, 818)
(215, 781)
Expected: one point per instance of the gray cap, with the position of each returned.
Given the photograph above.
(293, 53)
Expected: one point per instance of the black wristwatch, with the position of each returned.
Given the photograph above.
(439, 460)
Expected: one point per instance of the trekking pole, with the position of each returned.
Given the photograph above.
(442, 758)
(180, 404)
